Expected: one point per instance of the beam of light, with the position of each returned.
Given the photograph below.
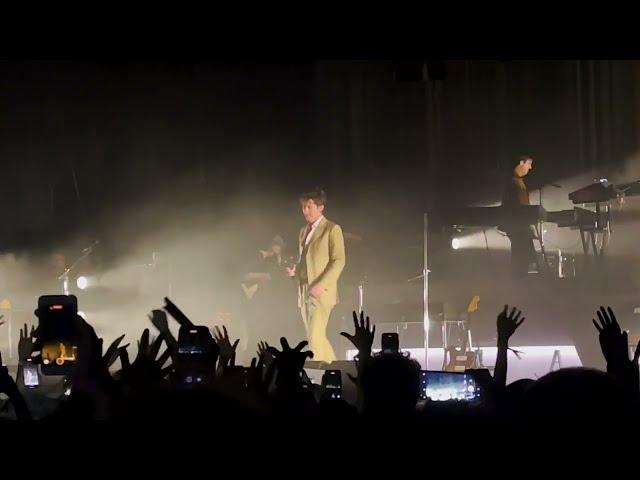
(479, 239)
(82, 283)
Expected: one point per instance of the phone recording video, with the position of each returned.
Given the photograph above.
(30, 376)
(194, 362)
(390, 343)
(332, 383)
(448, 386)
(57, 333)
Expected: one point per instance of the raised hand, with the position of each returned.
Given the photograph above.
(508, 323)
(159, 320)
(148, 348)
(25, 344)
(290, 358)
(362, 339)
(288, 364)
(264, 355)
(615, 347)
(262, 349)
(613, 341)
(227, 350)
(147, 368)
(113, 352)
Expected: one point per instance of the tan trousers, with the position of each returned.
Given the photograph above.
(315, 316)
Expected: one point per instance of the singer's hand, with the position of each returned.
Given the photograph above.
(317, 290)
(291, 271)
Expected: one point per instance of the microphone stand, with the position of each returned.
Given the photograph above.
(540, 223)
(541, 227)
(64, 276)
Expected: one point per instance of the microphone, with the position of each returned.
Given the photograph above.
(90, 247)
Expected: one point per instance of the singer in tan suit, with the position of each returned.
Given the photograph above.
(322, 259)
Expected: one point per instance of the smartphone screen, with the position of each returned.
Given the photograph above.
(30, 375)
(390, 343)
(332, 382)
(193, 342)
(448, 386)
(57, 335)
(194, 363)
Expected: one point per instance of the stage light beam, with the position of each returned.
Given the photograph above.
(82, 283)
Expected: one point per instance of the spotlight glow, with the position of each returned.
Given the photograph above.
(455, 243)
(82, 283)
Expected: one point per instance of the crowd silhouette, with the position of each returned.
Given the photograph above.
(158, 386)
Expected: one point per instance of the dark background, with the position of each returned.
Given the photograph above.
(82, 139)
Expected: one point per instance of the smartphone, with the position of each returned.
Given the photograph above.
(177, 314)
(57, 333)
(194, 362)
(194, 341)
(439, 386)
(482, 376)
(332, 383)
(390, 343)
(30, 375)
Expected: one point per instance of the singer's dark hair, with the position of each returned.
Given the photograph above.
(318, 196)
(507, 167)
(522, 158)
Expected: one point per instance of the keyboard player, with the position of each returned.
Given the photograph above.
(514, 196)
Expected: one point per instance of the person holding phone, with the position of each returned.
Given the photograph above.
(321, 261)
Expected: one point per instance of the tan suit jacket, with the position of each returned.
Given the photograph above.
(322, 261)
